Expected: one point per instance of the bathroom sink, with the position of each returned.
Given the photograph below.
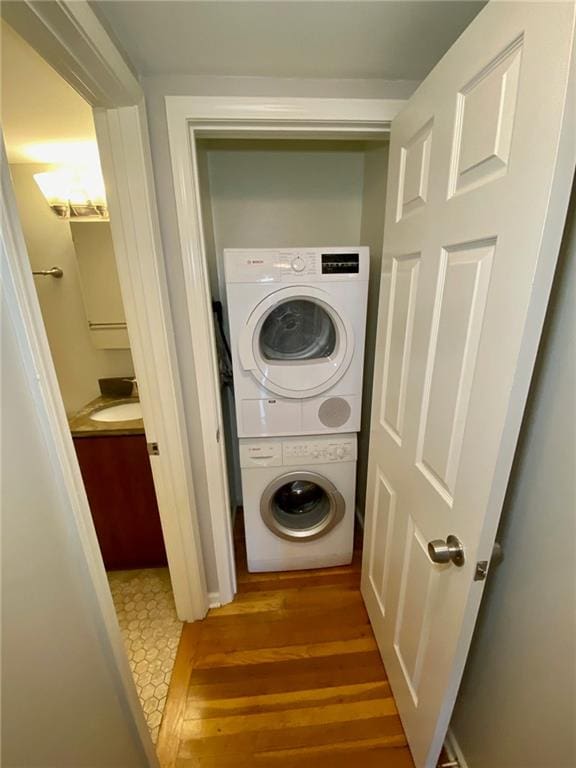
(121, 412)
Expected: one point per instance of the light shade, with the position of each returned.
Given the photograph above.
(74, 193)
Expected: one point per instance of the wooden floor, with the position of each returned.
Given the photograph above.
(287, 675)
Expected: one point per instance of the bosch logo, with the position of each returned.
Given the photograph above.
(255, 261)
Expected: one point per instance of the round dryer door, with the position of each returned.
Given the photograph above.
(301, 506)
(297, 329)
(297, 342)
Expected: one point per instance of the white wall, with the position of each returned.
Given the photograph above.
(284, 194)
(517, 702)
(78, 363)
(62, 704)
(372, 235)
(156, 88)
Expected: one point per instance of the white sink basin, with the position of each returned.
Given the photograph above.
(122, 412)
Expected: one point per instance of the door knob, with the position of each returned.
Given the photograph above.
(451, 550)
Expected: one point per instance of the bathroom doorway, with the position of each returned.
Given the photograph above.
(55, 171)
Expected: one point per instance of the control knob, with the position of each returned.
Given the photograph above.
(298, 264)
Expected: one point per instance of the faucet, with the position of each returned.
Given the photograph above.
(134, 392)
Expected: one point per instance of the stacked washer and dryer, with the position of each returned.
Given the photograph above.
(297, 321)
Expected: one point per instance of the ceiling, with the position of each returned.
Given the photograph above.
(38, 106)
(393, 40)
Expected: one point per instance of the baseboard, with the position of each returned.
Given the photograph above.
(214, 600)
(453, 749)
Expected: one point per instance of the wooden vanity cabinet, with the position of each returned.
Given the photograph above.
(118, 480)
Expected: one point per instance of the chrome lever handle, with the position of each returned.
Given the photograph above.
(451, 550)
(52, 272)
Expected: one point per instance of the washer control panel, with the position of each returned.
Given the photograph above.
(297, 451)
(260, 453)
(318, 450)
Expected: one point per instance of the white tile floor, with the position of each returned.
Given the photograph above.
(147, 616)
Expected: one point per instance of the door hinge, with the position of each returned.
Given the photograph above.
(218, 435)
(153, 449)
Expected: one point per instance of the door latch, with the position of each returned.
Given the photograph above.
(481, 570)
(153, 449)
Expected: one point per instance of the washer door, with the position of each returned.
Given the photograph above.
(301, 506)
(297, 342)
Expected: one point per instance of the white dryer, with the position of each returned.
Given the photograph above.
(299, 496)
(297, 325)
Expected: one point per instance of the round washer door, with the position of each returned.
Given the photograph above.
(301, 506)
(297, 342)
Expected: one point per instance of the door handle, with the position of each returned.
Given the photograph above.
(497, 554)
(451, 550)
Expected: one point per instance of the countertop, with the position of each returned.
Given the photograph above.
(81, 425)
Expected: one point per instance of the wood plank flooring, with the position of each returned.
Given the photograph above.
(287, 675)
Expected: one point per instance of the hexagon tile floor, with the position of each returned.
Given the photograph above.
(151, 630)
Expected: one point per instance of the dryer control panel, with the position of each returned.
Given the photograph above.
(294, 265)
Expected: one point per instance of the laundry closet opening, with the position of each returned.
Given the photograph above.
(298, 194)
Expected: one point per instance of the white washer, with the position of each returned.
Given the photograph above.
(297, 321)
(299, 496)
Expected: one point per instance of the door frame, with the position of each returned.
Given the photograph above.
(69, 36)
(21, 301)
(190, 118)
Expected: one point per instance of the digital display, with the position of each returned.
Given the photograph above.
(340, 263)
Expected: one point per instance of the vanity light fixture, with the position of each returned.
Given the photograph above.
(75, 193)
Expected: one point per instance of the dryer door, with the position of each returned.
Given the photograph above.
(301, 506)
(297, 342)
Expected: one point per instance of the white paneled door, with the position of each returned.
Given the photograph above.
(481, 163)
